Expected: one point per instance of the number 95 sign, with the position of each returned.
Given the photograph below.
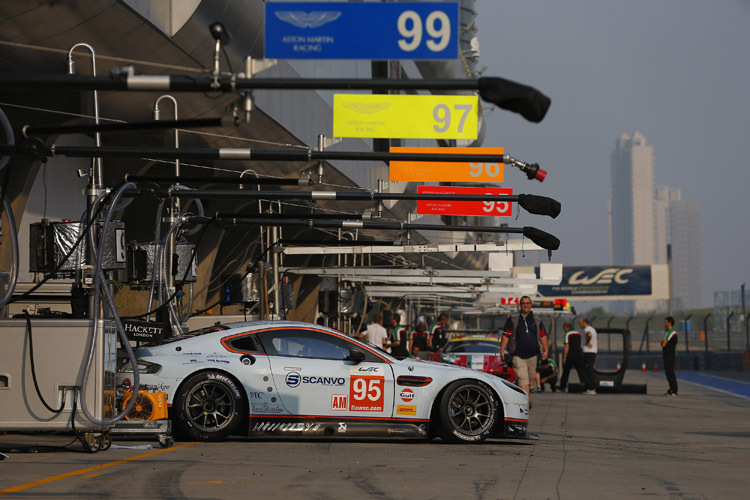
(361, 30)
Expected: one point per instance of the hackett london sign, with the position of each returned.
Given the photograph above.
(470, 208)
(144, 331)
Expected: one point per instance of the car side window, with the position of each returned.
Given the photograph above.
(304, 343)
(247, 343)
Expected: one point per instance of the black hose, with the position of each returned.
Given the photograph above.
(33, 371)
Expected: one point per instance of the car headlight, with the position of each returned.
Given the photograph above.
(143, 367)
(513, 386)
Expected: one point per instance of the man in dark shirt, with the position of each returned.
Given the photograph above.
(418, 343)
(573, 358)
(547, 374)
(438, 338)
(669, 347)
(523, 335)
(399, 341)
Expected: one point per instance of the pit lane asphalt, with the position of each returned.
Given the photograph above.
(604, 446)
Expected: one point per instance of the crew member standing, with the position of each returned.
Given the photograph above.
(375, 333)
(399, 338)
(669, 347)
(418, 342)
(573, 358)
(525, 338)
(438, 337)
(589, 351)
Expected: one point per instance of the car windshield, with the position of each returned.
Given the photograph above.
(469, 346)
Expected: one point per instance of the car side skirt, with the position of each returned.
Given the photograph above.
(335, 427)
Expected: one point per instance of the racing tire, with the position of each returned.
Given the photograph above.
(468, 412)
(208, 407)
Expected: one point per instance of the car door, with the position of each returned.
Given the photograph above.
(313, 376)
(254, 374)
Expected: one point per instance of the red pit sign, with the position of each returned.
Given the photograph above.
(472, 208)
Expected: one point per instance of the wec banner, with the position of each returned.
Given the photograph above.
(601, 280)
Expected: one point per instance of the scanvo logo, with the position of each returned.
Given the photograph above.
(605, 277)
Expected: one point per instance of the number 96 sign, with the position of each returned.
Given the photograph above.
(361, 30)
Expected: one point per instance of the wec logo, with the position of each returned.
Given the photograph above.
(605, 277)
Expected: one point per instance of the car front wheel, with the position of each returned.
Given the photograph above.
(468, 412)
(208, 407)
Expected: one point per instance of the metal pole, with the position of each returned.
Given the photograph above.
(705, 331)
(669, 276)
(276, 280)
(744, 316)
(687, 318)
(174, 209)
(645, 335)
(321, 163)
(93, 189)
(729, 345)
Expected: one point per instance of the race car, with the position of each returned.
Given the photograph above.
(479, 352)
(284, 378)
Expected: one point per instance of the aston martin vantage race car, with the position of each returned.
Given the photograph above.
(284, 378)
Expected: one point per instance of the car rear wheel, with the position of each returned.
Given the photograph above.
(208, 407)
(468, 412)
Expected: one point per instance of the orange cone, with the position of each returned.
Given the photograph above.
(643, 367)
(618, 366)
(656, 368)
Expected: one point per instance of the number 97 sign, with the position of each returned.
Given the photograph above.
(406, 116)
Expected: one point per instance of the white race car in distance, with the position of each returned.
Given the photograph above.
(285, 378)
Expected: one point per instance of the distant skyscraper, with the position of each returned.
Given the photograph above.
(684, 235)
(632, 215)
(643, 219)
(664, 195)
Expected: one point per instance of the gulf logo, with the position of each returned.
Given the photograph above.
(407, 395)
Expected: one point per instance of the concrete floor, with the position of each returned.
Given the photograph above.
(605, 446)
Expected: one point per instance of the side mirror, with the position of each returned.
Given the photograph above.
(355, 355)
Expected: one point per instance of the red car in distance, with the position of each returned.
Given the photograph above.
(478, 352)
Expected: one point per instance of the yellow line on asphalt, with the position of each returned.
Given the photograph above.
(26, 486)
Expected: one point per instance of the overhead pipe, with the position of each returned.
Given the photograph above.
(506, 94)
(538, 205)
(304, 180)
(541, 238)
(155, 124)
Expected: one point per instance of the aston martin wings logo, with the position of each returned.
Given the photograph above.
(366, 108)
(313, 19)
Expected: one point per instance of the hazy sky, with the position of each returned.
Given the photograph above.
(678, 71)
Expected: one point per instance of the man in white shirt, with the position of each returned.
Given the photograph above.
(376, 334)
(589, 350)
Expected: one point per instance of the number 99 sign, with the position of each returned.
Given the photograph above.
(362, 30)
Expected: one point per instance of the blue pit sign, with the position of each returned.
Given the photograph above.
(368, 30)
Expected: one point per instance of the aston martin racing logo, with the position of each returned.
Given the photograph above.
(366, 108)
(303, 20)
